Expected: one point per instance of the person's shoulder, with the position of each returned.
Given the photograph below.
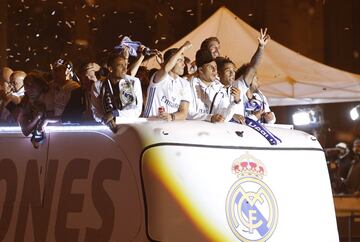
(217, 85)
(240, 82)
(131, 78)
(194, 80)
(183, 80)
(71, 85)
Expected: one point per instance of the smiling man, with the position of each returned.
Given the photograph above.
(168, 91)
(204, 87)
(119, 96)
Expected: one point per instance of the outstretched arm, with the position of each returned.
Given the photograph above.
(28, 123)
(263, 39)
(171, 62)
(134, 67)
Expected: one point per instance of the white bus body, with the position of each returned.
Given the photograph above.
(164, 181)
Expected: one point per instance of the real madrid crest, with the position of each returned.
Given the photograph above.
(126, 93)
(251, 207)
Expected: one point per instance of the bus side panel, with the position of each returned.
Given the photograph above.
(20, 164)
(90, 194)
(217, 194)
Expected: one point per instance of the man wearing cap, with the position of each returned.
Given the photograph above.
(204, 87)
(167, 90)
(343, 161)
(68, 104)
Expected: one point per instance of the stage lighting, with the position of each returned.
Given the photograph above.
(307, 116)
(354, 113)
(301, 118)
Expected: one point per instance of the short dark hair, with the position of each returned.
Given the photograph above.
(242, 70)
(221, 62)
(170, 53)
(203, 56)
(38, 77)
(112, 57)
(206, 43)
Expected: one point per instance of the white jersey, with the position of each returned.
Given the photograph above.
(242, 85)
(202, 98)
(167, 93)
(225, 105)
(130, 95)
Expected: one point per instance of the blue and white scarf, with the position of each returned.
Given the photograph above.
(272, 138)
(132, 45)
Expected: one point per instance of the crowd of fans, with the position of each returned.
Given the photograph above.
(210, 88)
(344, 168)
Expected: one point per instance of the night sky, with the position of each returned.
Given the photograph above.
(33, 33)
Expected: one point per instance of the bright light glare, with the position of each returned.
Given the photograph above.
(354, 113)
(301, 118)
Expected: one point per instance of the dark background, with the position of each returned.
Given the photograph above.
(33, 33)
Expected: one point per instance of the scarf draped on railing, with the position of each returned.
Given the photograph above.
(273, 139)
(108, 100)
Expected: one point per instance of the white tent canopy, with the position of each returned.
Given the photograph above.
(287, 77)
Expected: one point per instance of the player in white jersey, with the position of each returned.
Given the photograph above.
(228, 100)
(256, 105)
(169, 95)
(204, 87)
(118, 97)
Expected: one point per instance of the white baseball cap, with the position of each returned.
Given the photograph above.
(342, 145)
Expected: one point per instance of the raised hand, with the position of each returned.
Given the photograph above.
(239, 118)
(159, 57)
(264, 38)
(235, 92)
(187, 45)
(126, 52)
(165, 116)
(217, 118)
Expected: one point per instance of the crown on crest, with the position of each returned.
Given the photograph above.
(248, 165)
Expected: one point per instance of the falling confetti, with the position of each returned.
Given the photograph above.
(68, 24)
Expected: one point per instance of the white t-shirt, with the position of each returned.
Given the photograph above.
(167, 93)
(241, 84)
(202, 96)
(225, 105)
